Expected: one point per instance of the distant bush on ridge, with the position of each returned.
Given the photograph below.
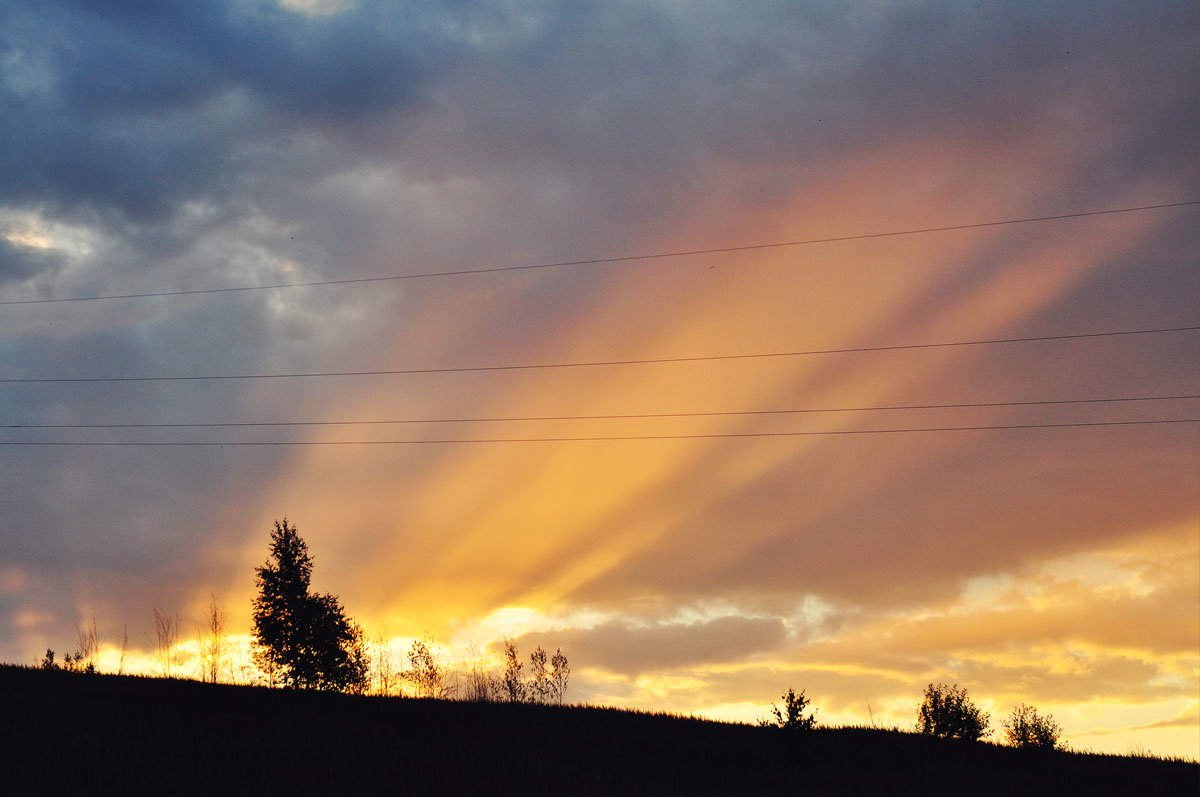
(1026, 728)
(948, 713)
(791, 716)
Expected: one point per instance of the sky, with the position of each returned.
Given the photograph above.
(721, 556)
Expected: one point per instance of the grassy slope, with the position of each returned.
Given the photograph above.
(64, 733)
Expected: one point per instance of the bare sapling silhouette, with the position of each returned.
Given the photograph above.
(560, 674)
(215, 649)
(166, 643)
(88, 649)
(511, 684)
(383, 667)
(539, 688)
(425, 673)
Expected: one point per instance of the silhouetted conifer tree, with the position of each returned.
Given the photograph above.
(304, 638)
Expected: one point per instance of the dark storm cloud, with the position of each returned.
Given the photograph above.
(139, 108)
(19, 263)
(176, 54)
(628, 86)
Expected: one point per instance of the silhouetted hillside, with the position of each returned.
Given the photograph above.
(69, 733)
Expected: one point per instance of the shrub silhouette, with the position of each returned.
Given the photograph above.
(791, 716)
(70, 662)
(303, 638)
(947, 712)
(1026, 728)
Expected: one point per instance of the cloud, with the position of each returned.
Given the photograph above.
(1186, 719)
(632, 650)
(138, 111)
(19, 263)
(174, 145)
(1160, 623)
(1115, 626)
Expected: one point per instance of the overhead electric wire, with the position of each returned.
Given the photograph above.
(623, 416)
(592, 364)
(604, 260)
(610, 438)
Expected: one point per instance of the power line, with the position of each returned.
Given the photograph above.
(625, 416)
(605, 260)
(712, 436)
(536, 366)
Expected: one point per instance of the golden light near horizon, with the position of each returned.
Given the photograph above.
(728, 351)
(865, 675)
